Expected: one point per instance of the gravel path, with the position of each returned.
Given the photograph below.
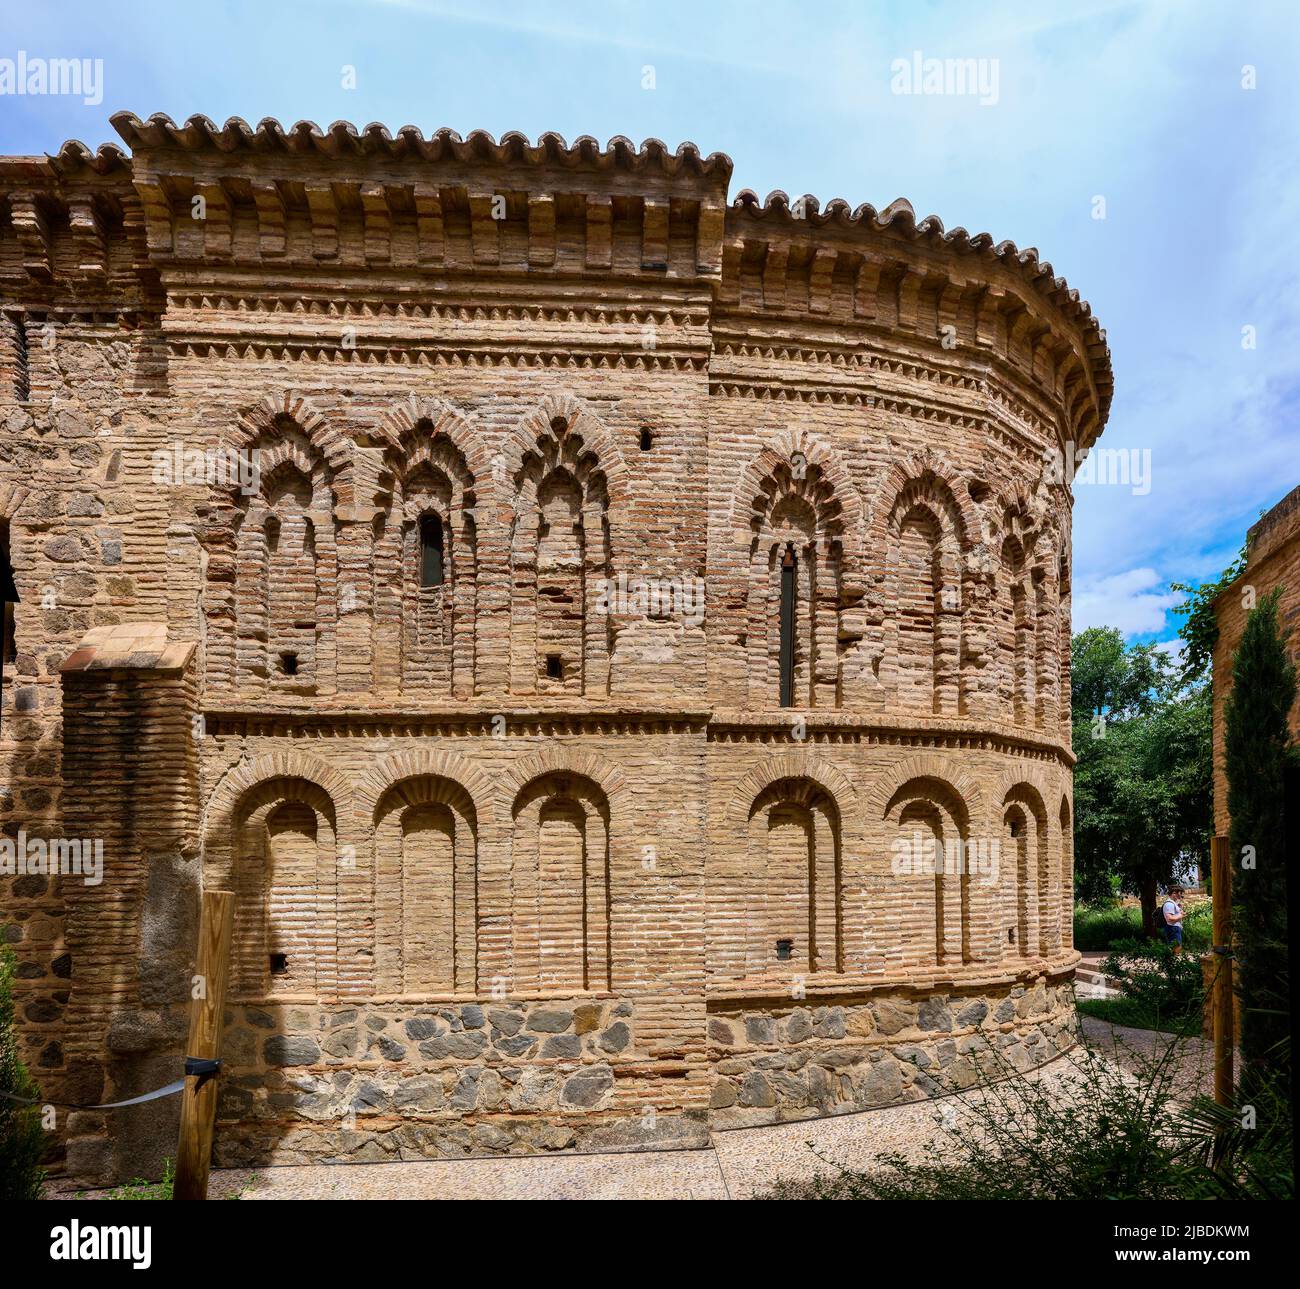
(1131, 1048)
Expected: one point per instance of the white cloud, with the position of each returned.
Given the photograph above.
(1176, 650)
(1134, 601)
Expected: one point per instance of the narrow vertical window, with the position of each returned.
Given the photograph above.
(8, 591)
(8, 598)
(787, 626)
(15, 334)
(431, 552)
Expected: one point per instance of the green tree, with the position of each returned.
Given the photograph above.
(1200, 629)
(22, 1141)
(1118, 680)
(1143, 780)
(1256, 749)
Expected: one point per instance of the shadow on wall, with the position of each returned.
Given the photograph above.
(413, 1058)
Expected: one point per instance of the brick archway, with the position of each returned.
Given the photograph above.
(795, 764)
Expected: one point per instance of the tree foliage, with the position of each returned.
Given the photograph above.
(1200, 629)
(1256, 750)
(1143, 781)
(22, 1140)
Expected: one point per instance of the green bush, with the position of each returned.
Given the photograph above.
(1198, 929)
(1098, 926)
(22, 1140)
(1257, 749)
(1097, 1131)
(1157, 982)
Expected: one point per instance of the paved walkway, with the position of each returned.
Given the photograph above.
(1137, 1049)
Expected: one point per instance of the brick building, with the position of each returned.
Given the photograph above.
(1272, 561)
(571, 610)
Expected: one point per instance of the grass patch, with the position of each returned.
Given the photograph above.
(1138, 1014)
(138, 1188)
(1098, 927)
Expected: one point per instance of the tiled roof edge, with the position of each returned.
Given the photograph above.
(342, 138)
(900, 216)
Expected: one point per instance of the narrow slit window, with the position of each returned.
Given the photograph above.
(8, 598)
(647, 439)
(554, 666)
(22, 370)
(431, 552)
(788, 587)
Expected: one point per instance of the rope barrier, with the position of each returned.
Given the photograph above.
(196, 1066)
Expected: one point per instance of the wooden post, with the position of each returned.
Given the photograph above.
(1224, 1036)
(207, 1014)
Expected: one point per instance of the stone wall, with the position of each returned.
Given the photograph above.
(366, 1084)
(802, 1061)
(547, 776)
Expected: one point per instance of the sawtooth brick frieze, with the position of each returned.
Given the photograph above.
(573, 610)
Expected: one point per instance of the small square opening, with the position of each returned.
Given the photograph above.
(554, 666)
(279, 964)
(784, 950)
(647, 439)
(289, 664)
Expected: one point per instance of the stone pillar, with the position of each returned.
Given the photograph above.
(130, 791)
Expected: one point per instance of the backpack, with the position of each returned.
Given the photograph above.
(1158, 917)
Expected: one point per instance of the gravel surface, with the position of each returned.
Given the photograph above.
(1131, 1048)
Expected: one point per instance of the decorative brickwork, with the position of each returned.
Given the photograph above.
(612, 642)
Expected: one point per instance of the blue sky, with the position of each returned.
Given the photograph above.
(1140, 103)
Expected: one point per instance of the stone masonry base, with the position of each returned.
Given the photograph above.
(316, 1084)
(802, 1062)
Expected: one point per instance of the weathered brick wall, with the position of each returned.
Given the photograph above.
(521, 854)
(1272, 561)
(646, 959)
(130, 766)
(71, 407)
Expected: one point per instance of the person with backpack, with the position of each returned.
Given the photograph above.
(1169, 918)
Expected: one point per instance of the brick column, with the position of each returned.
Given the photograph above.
(130, 771)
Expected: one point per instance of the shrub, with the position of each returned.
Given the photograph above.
(1095, 1132)
(1198, 929)
(1249, 1144)
(1256, 753)
(22, 1140)
(1158, 983)
(1103, 926)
